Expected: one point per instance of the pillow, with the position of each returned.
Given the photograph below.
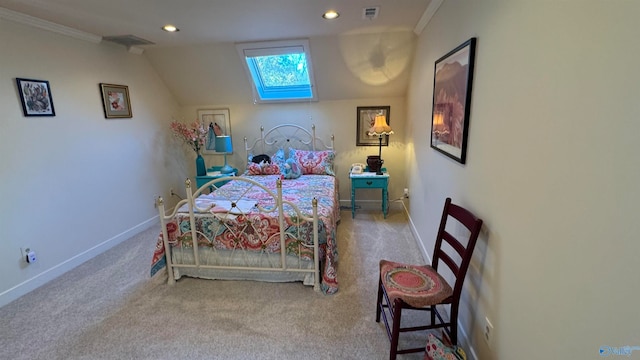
(291, 170)
(279, 159)
(253, 169)
(436, 350)
(314, 162)
(270, 169)
(262, 169)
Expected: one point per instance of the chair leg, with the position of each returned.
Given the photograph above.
(433, 314)
(453, 324)
(395, 333)
(379, 303)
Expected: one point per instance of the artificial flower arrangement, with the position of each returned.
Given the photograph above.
(194, 134)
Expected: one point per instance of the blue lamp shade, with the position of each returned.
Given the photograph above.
(223, 145)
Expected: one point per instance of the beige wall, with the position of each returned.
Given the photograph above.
(209, 76)
(330, 117)
(551, 168)
(75, 184)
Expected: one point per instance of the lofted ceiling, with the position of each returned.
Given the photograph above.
(369, 52)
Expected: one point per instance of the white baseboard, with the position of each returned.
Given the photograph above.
(466, 345)
(57, 270)
(373, 205)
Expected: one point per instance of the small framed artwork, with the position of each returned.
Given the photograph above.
(218, 123)
(452, 83)
(366, 117)
(115, 101)
(35, 96)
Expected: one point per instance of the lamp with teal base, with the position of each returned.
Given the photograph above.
(223, 145)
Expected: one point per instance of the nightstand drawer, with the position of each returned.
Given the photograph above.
(370, 183)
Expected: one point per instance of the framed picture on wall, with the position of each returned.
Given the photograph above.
(35, 97)
(453, 78)
(218, 123)
(365, 118)
(115, 101)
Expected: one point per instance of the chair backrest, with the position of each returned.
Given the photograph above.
(463, 249)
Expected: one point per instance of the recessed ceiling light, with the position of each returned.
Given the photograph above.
(330, 15)
(170, 28)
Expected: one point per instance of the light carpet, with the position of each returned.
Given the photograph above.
(109, 307)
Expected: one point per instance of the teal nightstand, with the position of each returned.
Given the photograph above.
(212, 174)
(369, 180)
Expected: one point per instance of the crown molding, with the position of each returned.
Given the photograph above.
(427, 15)
(48, 25)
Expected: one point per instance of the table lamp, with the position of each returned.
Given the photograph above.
(223, 145)
(379, 129)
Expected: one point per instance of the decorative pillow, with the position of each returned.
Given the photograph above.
(279, 159)
(270, 169)
(262, 169)
(436, 350)
(291, 169)
(314, 162)
(253, 169)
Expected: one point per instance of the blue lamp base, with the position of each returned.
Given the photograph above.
(226, 169)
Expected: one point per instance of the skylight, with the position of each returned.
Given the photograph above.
(279, 70)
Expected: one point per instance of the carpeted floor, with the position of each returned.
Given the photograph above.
(109, 307)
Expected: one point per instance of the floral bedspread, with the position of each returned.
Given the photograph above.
(255, 230)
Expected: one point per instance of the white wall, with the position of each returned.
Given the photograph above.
(551, 168)
(75, 184)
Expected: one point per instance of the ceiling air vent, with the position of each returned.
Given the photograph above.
(127, 40)
(370, 13)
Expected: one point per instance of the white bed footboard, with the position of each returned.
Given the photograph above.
(239, 229)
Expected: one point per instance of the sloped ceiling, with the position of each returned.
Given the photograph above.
(353, 57)
(345, 67)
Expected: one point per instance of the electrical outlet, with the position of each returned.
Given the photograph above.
(30, 256)
(406, 193)
(488, 332)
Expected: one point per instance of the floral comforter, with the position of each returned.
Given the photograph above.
(261, 237)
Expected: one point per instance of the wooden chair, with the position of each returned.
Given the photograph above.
(421, 287)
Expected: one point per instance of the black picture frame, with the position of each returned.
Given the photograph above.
(115, 101)
(365, 119)
(35, 97)
(452, 85)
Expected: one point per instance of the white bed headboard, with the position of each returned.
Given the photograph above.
(285, 136)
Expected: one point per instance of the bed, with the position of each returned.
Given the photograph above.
(276, 222)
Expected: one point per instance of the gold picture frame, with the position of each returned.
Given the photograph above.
(115, 101)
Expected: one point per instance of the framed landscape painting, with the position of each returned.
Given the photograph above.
(452, 83)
